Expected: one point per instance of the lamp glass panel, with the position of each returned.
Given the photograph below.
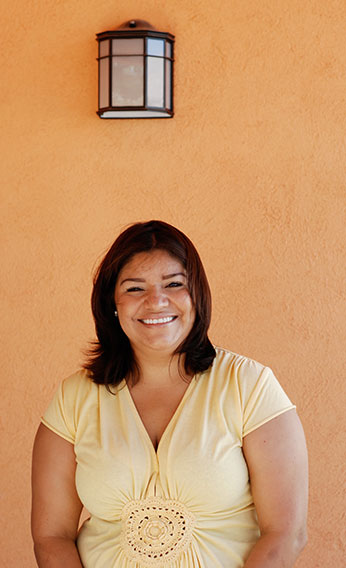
(104, 48)
(168, 49)
(128, 46)
(168, 84)
(127, 81)
(155, 82)
(104, 82)
(156, 47)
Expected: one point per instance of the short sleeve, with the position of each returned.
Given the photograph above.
(264, 400)
(62, 413)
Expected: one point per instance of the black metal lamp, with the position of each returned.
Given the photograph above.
(135, 72)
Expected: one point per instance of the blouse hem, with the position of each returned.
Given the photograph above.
(68, 439)
(268, 419)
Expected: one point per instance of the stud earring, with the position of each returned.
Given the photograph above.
(115, 313)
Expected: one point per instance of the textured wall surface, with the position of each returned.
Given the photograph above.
(252, 168)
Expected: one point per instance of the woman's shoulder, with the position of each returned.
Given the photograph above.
(77, 387)
(80, 385)
(239, 371)
(251, 386)
(63, 411)
(227, 361)
(80, 379)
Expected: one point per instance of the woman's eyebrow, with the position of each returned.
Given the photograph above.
(173, 275)
(132, 280)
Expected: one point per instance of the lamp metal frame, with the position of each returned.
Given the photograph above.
(128, 31)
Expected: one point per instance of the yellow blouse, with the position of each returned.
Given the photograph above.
(188, 504)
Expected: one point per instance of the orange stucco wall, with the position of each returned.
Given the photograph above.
(252, 168)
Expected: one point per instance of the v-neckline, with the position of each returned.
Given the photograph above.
(173, 418)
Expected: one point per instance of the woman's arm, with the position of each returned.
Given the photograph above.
(277, 460)
(56, 507)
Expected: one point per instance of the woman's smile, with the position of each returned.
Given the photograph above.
(158, 321)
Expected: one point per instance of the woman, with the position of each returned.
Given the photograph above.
(185, 455)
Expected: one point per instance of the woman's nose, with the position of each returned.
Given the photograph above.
(157, 298)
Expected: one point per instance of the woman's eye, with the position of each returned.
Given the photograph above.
(174, 284)
(134, 289)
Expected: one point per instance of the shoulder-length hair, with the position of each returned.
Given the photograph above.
(111, 359)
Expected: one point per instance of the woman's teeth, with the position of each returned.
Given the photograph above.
(159, 320)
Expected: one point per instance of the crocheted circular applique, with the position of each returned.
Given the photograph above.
(156, 530)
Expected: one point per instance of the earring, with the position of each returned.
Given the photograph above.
(115, 313)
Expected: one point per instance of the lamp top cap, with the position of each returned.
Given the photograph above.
(136, 25)
(134, 28)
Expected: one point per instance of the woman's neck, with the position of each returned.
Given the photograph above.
(160, 370)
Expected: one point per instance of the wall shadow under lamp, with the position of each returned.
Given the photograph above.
(135, 72)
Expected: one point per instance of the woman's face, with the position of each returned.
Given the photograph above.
(153, 302)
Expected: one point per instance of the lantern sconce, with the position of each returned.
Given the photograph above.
(135, 72)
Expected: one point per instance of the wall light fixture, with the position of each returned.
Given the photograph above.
(135, 72)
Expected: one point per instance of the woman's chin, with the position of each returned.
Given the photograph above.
(157, 347)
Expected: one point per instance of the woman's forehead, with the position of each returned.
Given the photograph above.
(157, 260)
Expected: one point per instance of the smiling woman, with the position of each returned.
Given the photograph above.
(185, 455)
(149, 267)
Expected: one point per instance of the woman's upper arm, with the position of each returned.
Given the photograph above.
(56, 506)
(276, 456)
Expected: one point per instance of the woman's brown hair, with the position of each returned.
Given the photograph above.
(111, 358)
